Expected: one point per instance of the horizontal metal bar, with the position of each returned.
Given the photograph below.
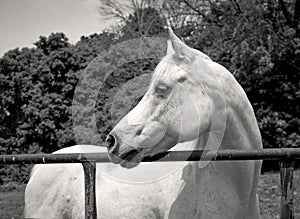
(266, 154)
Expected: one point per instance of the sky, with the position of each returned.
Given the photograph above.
(23, 21)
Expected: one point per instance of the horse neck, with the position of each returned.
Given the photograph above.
(241, 130)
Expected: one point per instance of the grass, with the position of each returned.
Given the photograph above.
(12, 202)
(269, 194)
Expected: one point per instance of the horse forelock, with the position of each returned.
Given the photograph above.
(164, 67)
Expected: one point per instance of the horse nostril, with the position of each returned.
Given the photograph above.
(110, 141)
(138, 132)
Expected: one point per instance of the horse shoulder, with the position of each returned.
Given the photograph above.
(56, 186)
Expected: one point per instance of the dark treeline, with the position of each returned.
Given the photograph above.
(258, 41)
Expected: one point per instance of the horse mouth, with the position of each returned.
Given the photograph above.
(128, 160)
(130, 155)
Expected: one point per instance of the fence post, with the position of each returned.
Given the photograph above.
(286, 180)
(89, 168)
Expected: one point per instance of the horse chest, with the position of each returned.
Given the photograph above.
(183, 194)
(137, 200)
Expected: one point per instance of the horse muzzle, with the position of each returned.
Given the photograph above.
(126, 156)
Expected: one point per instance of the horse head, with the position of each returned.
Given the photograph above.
(176, 108)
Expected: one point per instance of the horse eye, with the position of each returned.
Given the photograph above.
(182, 79)
(161, 89)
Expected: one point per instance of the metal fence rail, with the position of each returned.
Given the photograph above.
(286, 157)
(221, 155)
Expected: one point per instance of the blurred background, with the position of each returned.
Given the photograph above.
(46, 46)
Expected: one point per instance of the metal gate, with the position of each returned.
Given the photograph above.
(285, 156)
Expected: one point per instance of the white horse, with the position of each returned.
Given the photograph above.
(192, 103)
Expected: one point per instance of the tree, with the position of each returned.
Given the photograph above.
(150, 24)
(259, 42)
(143, 13)
(37, 88)
(54, 42)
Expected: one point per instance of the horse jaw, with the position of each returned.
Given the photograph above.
(133, 147)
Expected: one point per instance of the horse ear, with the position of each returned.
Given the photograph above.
(182, 51)
(170, 49)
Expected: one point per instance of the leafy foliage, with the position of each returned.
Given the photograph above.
(41, 88)
(257, 40)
